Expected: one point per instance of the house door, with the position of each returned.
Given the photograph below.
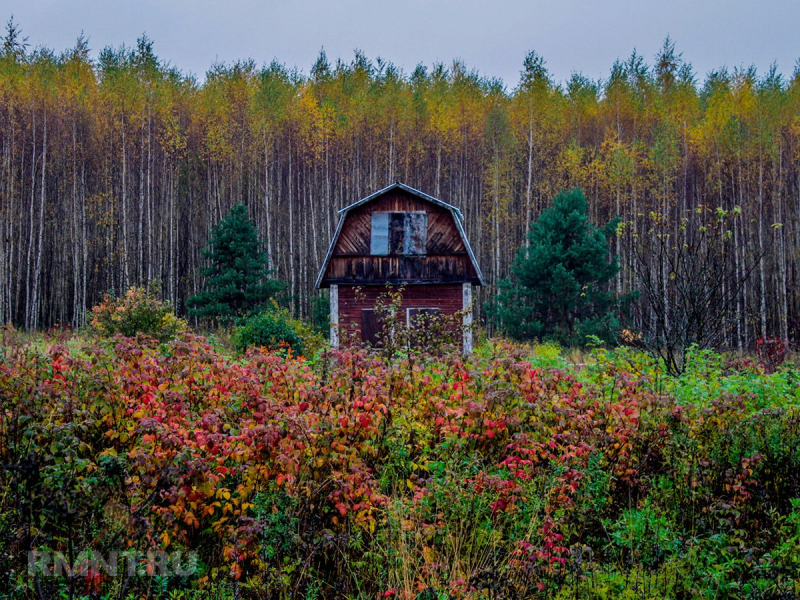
(371, 327)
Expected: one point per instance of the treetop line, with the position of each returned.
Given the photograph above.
(113, 172)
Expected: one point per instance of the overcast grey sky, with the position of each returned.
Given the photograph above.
(491, 36)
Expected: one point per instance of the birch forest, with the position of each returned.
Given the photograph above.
(114, 170)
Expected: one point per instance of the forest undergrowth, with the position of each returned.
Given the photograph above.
(507, 474)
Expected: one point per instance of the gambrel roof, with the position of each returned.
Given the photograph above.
(458, 219)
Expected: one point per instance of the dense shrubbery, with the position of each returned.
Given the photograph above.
(276, 330)
(271, 330)
(139, 311)
(357, 476)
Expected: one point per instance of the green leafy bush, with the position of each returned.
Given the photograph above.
(139, 311)
(547, 355)
(277, 516)
(321, 312)
(311, 339)
(273, 330)
(643, 536)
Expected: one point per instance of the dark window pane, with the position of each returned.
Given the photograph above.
(416, 233)
(397, 233)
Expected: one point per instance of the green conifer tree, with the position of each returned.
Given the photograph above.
(557, 286)
(237, 274)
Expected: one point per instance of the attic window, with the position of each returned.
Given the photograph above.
(399, 233)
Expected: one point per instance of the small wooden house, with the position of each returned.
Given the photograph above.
(398, 236)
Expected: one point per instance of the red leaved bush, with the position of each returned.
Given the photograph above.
(285, 471)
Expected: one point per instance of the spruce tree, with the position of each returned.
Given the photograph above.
(557, 286)
(237, 273)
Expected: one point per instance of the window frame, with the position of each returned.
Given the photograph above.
(437, 311)
(388, 244)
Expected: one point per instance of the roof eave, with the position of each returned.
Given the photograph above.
(331, 246)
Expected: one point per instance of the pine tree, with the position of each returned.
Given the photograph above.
(556, 289)
(237, 276)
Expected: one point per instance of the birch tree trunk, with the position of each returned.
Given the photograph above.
(762, 301)
(40, 237)
(124, 216)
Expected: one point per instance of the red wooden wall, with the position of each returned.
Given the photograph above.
(447, 298)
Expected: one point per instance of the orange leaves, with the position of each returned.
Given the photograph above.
(191, 520)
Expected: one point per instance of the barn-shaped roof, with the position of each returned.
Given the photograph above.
(410, 190)
(458, 219)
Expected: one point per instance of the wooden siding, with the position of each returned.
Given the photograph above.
(399, 269)
(446, 259)
(446, 297)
